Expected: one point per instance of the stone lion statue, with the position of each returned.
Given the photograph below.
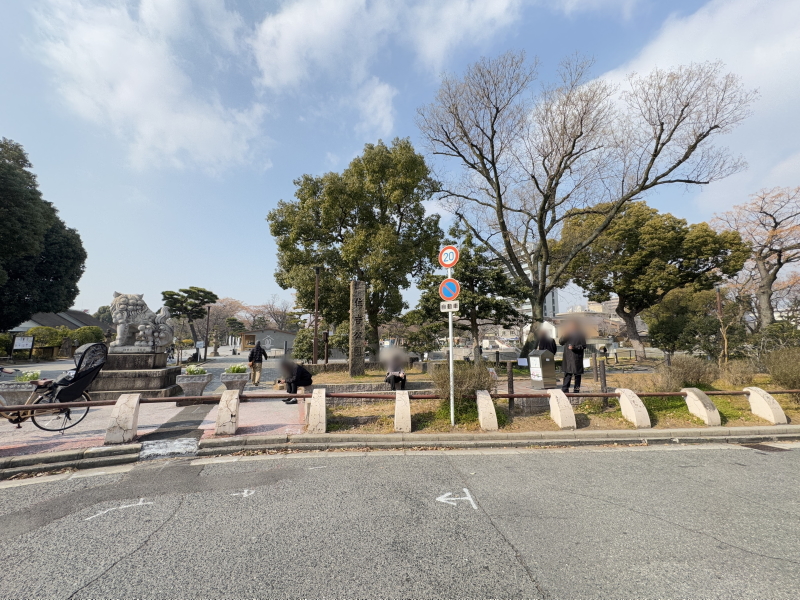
(138, 326)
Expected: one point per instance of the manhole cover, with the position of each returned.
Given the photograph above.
(765, 448)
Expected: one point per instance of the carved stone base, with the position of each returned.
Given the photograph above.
(134, 362)
(130, 350)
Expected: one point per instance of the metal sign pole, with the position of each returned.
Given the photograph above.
(452, 382)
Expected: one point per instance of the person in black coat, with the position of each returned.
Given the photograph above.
(574, 344)
(254, 359)
(294, 375)
(546, 342)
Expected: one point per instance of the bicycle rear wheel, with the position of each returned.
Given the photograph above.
(59, 419)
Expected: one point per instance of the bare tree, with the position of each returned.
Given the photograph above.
(280, 312)
(770, 223)
(527, 162)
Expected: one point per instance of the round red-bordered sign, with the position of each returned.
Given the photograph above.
(448, 257)
(449, 289)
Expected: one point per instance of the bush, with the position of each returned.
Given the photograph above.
(28, 376)
(738, 373)
(685, 371)
(783, 367)
(87, 335)
(468, 378)
(5, 344)
(237, 369)
(45, 337)
(195, 370)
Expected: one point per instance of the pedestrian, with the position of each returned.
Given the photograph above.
(545, 341)
(294, 375)
(574, 344)
(255, 358)
(395, 373)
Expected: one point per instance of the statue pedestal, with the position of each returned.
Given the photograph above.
(135, 373)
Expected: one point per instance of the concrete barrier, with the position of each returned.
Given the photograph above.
(487, 417)
(561, 410)
(402, 412)
(124, 420)
(228, 413)
(633, 409)
(317, 416)
(764, 405)
(702, 407)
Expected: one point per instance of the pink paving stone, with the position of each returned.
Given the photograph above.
(88, 433)
(262, 416)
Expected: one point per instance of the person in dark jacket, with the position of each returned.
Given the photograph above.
(574, 344)
(395, 373)
(546, 342)
(254, 359)
(294, 375)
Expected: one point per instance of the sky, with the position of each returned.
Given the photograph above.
(165, 130)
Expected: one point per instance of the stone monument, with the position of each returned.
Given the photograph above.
(357, 300)
(137, 359)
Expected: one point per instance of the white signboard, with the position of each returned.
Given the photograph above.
(449, 306)
(200, 344)
(587, 363)
(536, 368)
(522, 362)
(23, 342)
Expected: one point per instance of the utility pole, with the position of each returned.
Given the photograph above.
(316, 312)
(208, 322)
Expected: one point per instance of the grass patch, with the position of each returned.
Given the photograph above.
(670, 412)
(368, 377)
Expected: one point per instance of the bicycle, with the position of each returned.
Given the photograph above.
(67, 387)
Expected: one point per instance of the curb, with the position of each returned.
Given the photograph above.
(104, 456)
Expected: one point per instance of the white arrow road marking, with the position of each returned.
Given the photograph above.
(448, 499)
(244, 493)
(140, 503)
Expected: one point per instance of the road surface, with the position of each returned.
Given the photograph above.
(711, 521)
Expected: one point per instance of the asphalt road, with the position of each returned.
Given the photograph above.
(668, 522)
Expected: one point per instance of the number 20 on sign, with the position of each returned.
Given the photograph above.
(448, 257)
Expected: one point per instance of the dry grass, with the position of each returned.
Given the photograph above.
(368, 377)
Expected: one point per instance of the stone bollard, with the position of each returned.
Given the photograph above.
(487, 416)
(561, 410)
(702, 407)
(227, 413)
(633, 409)
(402, 412)
(124, 420)
(763, 405)
(317, 413)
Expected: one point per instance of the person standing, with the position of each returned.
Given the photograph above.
(294, 375)
(255, 359)
(574, 344)
(546, 342)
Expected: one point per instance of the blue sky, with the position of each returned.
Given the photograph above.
(165, 130)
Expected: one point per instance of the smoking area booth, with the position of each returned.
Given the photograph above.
(543, 369)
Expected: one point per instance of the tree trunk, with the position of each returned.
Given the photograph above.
(537, 318)
(473, 324)
(630, 329)
(765, 310)
(373, 339)
(193, 330)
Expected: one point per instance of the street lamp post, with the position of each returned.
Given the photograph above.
(316, 311)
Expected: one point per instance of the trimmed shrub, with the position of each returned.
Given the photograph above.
(468, 378)
(45, 337)
(783, 367)
(738, 373)
(87, 335)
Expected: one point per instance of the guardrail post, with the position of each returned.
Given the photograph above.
(702, 407)
(487, 416)
(633, 409)
(603, 383)
(124, 420)
(228, 413)
(561, 410)
(402, 412)
(317, 412)
(510, 387)
(763, 405)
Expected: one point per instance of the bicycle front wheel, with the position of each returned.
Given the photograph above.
(59, 419)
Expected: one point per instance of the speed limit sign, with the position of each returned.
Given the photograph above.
(448, 257)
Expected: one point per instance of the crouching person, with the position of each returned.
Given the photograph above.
(294, 376)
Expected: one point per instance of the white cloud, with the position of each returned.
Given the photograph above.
(573, 6)
(760, 41)
(118, 68)
(374, 101)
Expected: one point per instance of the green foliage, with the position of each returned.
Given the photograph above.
(366, 223)
(190, 304)
(341, 339)
(103, 315)
(87, 335)
(48, 336)
(303, 346)
(195, 370)
(237, 369)
(468, 378)
(422, 336)
(644, 254)
(488, 295)
(235, 326)
(28, 376)
(5, 344)
(783, 367)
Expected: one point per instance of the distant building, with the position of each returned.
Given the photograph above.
(71, 319)
(271, 339)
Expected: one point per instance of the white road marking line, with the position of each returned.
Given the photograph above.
(244, 493)
(140, 503)
(323, 467)
(449, 499)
